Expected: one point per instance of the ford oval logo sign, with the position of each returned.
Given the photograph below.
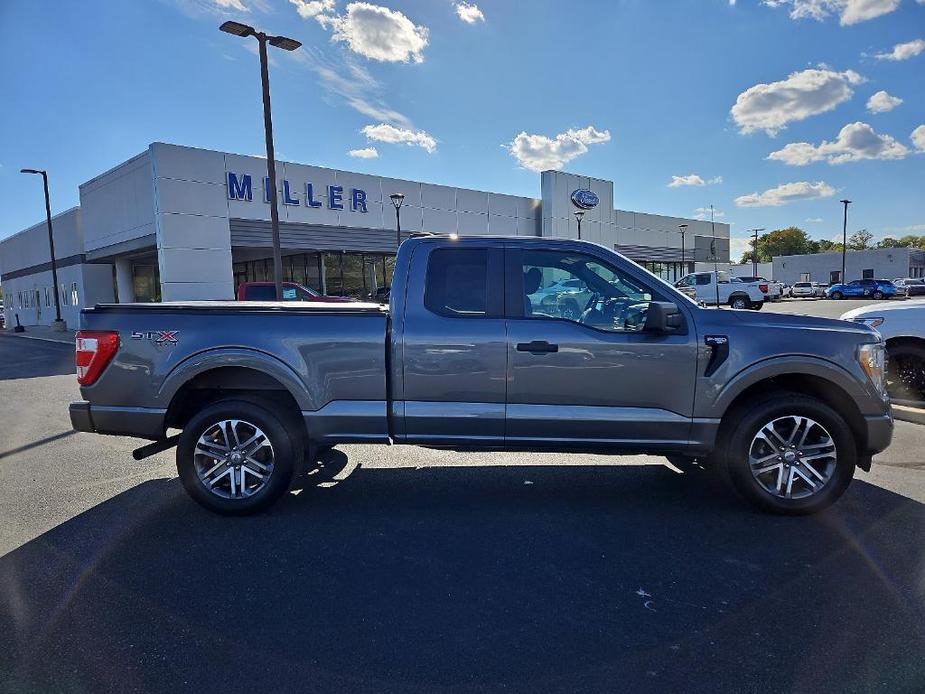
(585, 199)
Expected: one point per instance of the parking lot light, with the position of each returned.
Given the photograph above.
(58, 324)
(397, 200)
(287, 44)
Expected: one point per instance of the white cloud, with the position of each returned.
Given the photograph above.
(770, 107)
(856, 141)
(786, 193)
(903, 51)
(881, 102)
(918, 137)
(693, 180)
(383, 132)
(814, 220)
(848, 11)
(704, 213)
(352, 83)
(689, 180)
(198, 8)
(313, 9)
(469, 12)
(378, 33)
(539, 152)
(364, 153)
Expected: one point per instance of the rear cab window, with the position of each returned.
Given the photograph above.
(460, 283)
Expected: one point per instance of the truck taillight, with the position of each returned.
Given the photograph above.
(95, 349)
(763, 288)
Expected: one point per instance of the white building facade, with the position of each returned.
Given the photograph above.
(180, 223)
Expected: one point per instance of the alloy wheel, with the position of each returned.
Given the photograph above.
(233, 459)
(792, 457)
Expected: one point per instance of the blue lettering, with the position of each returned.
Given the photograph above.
(359, 200)
(240, 190)
(287, 197)
(335, 197)
(266, 189)
(310, 196)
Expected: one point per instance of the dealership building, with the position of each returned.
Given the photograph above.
(180, 223)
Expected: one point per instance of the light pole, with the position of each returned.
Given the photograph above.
(397, 199)
(755, 252)
(844, 237)
(578, 215)
(683, 229)
(287, 44)
(58, 324)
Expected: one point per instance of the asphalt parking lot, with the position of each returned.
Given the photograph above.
(411, 570)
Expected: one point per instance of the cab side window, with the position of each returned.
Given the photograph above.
(582, 289)
(457, 282)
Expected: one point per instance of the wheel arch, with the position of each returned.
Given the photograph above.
(211, 376)
(825, 382)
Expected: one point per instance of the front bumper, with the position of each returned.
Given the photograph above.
(141, 422)
(879, 432)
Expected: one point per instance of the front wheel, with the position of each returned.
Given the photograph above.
(837, 295)
(878, 295)
(789, 454)
(237, 457)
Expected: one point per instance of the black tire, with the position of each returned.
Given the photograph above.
(906, 371)
(280, 430)
(739, 301)
(837, 296)
(878, 295)
(757, 305)
(742, 427)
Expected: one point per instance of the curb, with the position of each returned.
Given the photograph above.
(904, 413)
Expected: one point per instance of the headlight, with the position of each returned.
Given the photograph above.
(869, 322)
(872, 358)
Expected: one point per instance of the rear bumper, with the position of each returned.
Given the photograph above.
(141, 422)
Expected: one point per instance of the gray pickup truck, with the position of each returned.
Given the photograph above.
(476, 351)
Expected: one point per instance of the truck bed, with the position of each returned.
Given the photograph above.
(351, 309)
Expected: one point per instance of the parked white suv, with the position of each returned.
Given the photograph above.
(805, 290)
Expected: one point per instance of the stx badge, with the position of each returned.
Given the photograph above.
(158, 337)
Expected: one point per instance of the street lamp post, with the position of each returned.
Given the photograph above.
(58, 324)
(286, 44)
(397, 199)
(683, 229)
(755, 252)
(844, 236)
(578, 215)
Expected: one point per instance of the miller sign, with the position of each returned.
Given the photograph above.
(241, 187)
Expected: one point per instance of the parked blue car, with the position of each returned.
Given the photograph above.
(875, 289)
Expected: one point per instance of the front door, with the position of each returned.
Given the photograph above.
(453, 347)
(581, 369)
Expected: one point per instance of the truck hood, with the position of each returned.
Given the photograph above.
(787, 321)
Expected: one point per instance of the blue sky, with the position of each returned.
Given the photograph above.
(758, 107)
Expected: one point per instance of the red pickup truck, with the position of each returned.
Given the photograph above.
(266, 291)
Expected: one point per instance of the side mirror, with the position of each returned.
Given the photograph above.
(662, 317)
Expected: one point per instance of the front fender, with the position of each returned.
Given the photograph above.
(211, 359)
(860, 393)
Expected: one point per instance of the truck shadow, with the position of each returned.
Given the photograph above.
(471, 579)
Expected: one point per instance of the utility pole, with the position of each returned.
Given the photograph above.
(755, 253)
(58, 325)
(844, 236)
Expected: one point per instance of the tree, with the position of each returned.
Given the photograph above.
(888, 242)
(860, 240)
(826, 246)
(789, 241)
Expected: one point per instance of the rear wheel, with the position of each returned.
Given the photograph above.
(789, 454)
(878, 295)
(837, 295)
(238, 457)
(740, 302)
